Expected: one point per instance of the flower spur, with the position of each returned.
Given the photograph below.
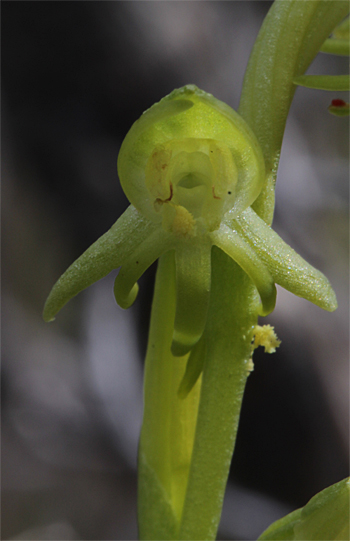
(191, 168)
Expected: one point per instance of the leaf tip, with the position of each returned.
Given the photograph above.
(49, 311)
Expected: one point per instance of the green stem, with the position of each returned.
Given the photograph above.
(169, 421)
(232, 317)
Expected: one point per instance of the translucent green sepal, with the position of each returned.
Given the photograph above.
(125, 285)
(107, 253)
(190, 137)
(324, 82)
(324, 517)
(287, 268)
(194, 368)
(193, 274)
(163, 111)
(230, 241)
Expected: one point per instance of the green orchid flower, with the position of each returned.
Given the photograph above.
(191, 168)
(200, 179)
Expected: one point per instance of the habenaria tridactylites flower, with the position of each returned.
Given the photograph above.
(191, 168)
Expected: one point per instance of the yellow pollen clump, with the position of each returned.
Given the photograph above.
(250, 366)
(183, 224)
(265, 336)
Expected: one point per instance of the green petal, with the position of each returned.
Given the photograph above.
(106, 254)
(240, 251)
(282, 529)
(133, 154)
(125, 286)
(324, 82)
(325, 516)
(194, 368)
(287, 268)
(339, 42)
(189, 113)
(193, 274)
(336, 46)
(161, 111)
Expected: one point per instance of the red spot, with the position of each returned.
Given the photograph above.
(158, 200)
(215, 196)
(338, 103)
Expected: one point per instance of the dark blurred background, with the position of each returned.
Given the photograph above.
(75, 76)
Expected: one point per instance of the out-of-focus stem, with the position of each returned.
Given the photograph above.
(291, 35)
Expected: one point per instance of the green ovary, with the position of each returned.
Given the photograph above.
(197, 175)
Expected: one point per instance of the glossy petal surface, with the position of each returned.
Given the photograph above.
(233, 245)
(107, 253)
(193, 277)
(125, 287)
(324, 518)
(287, 268)
(324, 82)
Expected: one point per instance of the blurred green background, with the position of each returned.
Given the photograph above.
(75, 76)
